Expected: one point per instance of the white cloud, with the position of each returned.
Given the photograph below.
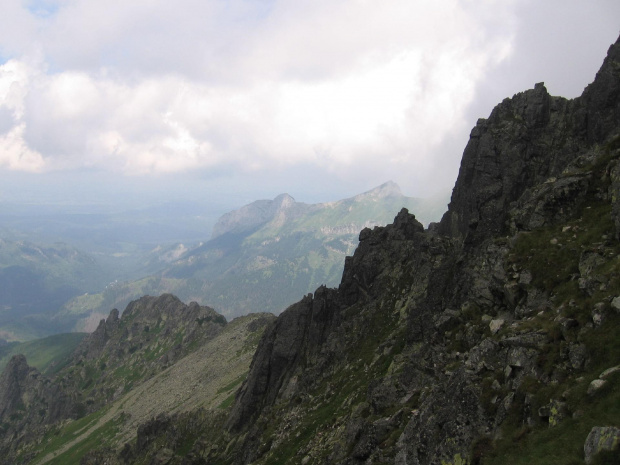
(151, 87)
(369, 88)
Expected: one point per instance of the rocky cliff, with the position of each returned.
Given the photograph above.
(438, 342)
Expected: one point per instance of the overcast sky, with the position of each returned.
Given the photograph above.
(246, 99)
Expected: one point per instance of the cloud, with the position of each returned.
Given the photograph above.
(146, 87)
(351, 88)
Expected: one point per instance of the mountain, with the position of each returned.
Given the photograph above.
(487, 338)
(36, 280)
(160, 356)
(263, 256)
(52, 253)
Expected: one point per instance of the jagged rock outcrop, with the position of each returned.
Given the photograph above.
(525, 141)
(465, 297)
(28, 403)
(163, 320)
(26, 395)
(152, 334)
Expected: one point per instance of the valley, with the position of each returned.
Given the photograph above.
(261, 257)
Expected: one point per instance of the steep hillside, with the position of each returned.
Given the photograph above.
(121, 356)
(263, 256)
(203, 383)
(489, 338)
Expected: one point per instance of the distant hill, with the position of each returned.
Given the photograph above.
(47, 355)
(264, 255)
(36, 280)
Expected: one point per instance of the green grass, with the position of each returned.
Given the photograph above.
(227, 402)
(47, 354)
(233, 384)
(93, 441)
(60, 436)
(562, 444)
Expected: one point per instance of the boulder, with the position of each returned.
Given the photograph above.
(601, 438)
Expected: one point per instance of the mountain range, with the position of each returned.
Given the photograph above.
(263, 256)
(490, 337)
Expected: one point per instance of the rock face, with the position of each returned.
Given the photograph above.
(171, 320)
(537, 162)
(526, 141)
(28, 403)
(24, 391)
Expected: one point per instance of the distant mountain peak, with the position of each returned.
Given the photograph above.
(255, 214)
(284, 208)
(387, 189)
(283, 201)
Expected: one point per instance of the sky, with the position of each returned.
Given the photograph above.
(230, 101)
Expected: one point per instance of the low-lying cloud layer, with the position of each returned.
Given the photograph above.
(373, 89)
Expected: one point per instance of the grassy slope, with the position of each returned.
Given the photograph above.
(45, 354)
(206, 378)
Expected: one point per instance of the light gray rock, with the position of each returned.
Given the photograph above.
(609, 371)
(601, 438)
(496, 325)
(595, 386)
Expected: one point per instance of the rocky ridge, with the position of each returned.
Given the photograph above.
(479, 321)
(123, 362)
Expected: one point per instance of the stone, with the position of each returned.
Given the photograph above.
(558, 411)
(615, 303)
(525, 277)
(496, 325)
(577, 356)
(600, 438)
(595, 386)
(609, 371)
